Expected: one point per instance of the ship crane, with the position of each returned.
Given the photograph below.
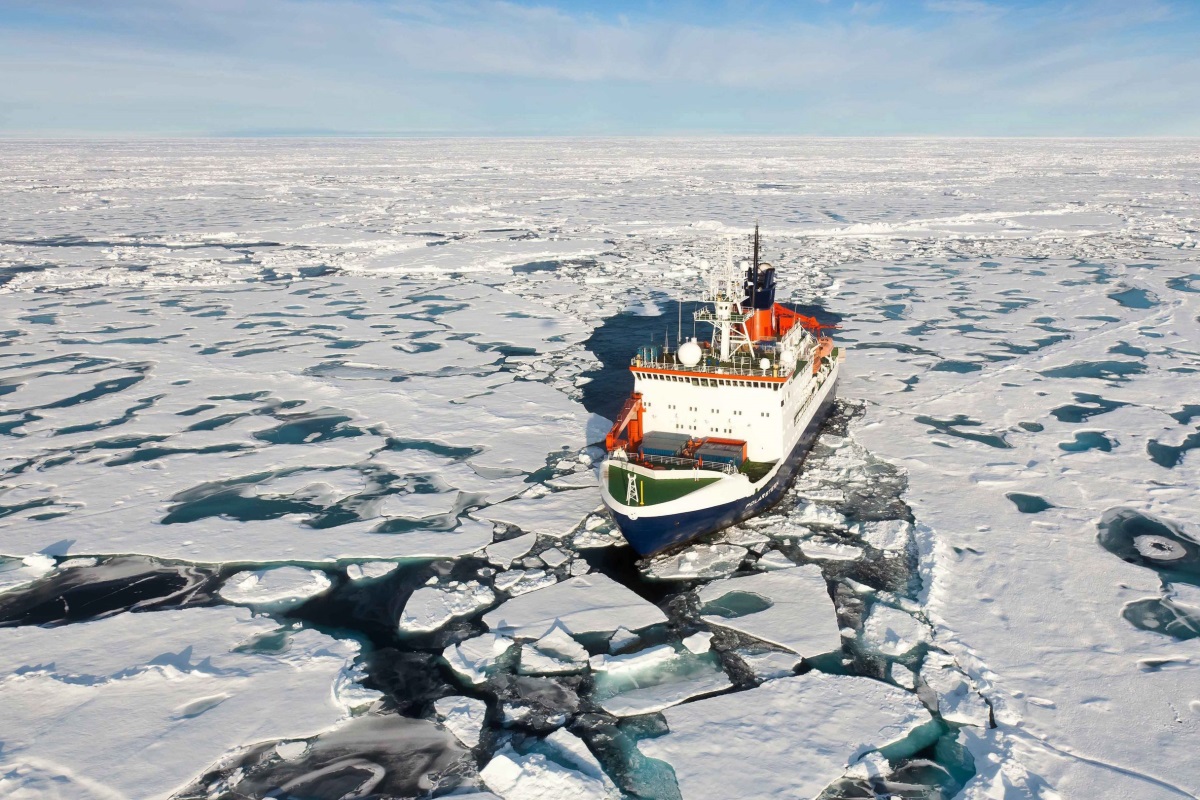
(631, 418)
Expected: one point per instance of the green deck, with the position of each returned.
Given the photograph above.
(651, 491)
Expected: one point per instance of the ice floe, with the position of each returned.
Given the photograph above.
(585, 604)
(463, 716)
(276, 588)
(891, 631)
(784, 597)
(789, 737)
(431, 607)
(198, 686)
(697, 561)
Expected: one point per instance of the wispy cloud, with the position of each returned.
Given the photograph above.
(948, 66)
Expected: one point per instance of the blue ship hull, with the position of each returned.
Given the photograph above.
(649, 535)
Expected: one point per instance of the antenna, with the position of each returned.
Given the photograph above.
(679, 323)
(754, 278)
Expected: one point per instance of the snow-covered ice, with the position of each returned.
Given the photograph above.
(276, 588)
(796, 613)
(137, 705)
(789, 737)
(585, 604)
(321, 356)
(431, 607)
(463, 716)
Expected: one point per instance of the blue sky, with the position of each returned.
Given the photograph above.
(476, 67)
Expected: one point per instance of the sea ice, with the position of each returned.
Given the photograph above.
(276, 588)
(586, 604)
(431, 607)
(799, 615)
(16, 573)
(789, 737)
(519, 581)
(890, 534)
(653, 679)
(370, 570)
(504, 553)
(568, 771)
(891, 631)
(553, 654)
(199, 691)
(698, 561)
(555, 514)
(464, 717)
(475, 658)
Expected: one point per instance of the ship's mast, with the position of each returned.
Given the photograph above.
(726, 292)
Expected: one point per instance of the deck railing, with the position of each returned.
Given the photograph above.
(674, 462)
(749, 370)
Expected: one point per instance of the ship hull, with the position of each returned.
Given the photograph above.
(651, 534)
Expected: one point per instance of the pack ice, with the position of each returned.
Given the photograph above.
(253, 395)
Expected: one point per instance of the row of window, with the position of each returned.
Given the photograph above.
(656, 376)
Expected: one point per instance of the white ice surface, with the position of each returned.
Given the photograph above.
(431, 607)
(565, 768)
(276, 589)
(464, 716)
(137, 705)
(698, 561)
(473, 658)
(891, 631)
(800, 617)
(789, 737)
(937, 254)
(586, 604)
(15, 573)
(555, 514)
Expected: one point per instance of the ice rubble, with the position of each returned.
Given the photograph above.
(788, 737)
(794, 594)
(187, 687)
(274, 589)
(474, 658)
(654, 679)
(697, 561)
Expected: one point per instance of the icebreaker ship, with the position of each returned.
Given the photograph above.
(715, 430)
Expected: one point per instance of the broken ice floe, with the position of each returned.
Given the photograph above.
(806, 730)
(697, 561)
(585, 604)
(463, 716)
(891, 631)
(558, 766)
(785, 596)
(275, 588)
(431, 607)
(200, 693)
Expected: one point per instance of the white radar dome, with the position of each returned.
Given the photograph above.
(765, 364)
(789, 355)
(690, 353)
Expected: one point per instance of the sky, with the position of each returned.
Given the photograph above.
(671, 67)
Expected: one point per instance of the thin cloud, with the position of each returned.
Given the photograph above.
(966, 67)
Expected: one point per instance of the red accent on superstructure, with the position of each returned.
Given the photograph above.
(824, 348)
(631, 418)
(788, 319)
(761, 325)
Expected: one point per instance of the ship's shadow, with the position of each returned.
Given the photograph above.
(615, 341)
